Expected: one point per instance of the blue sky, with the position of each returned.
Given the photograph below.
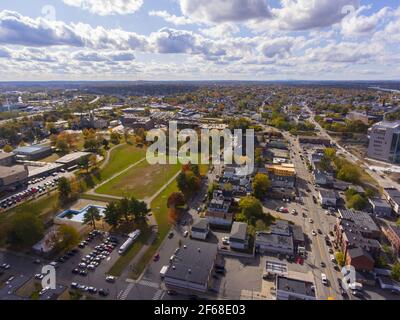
(199, 39)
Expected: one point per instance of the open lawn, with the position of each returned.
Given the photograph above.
(121, 158)
(160, 211)
(140, 181)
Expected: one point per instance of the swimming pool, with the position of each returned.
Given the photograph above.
(77, 216)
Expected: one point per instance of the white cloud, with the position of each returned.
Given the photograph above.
(217, 11)
(178, 21)
(221, 30)
(357, 24)
(107, 7)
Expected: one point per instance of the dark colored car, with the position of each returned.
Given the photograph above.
(103, 292)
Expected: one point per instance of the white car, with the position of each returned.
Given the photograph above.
(185, 234)
(111, 279)
(314, 233)
(324, 279)
(311, 220)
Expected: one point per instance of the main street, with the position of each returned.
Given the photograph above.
(320, 221)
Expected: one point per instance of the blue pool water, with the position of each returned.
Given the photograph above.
(77, 216)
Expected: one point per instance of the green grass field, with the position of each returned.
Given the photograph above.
(140, 181)
(121, 158)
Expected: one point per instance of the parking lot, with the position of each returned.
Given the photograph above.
(33, 188)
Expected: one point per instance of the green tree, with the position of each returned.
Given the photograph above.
(105, 143)
(123, 207)
(396, 271)
(62, 146)
(67, 237)
(357, 202)
(251, 208)
(64, 190)
(91, 216)
(25, 230)
(261, 185)
(175, 200)
(111, 215)
(115, 138)
(349, 173)
(84, 163)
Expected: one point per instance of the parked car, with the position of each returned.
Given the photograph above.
(111, 279)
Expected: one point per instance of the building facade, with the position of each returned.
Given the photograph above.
(384, 142)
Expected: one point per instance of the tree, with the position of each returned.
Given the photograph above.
(64, 190)
(7, 148)
(67, 237)
(93, 160)
(25, 229)
(111, 215)
(115, 138)
(340, 258)
(175, 200)
(62, 146)
(396, 271)
(91, 216)
(84, 163)
(251, 208)
(398, 222)
(349, 173)
(357, 202)
(123, 208)
(105, 143)
(139, 209)
(261, 185)
(188, 182)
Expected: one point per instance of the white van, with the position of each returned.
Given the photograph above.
(163, 271)
(324, 279)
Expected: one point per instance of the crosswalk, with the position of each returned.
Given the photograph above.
(124, 294)
(148, 283)
(159, 295)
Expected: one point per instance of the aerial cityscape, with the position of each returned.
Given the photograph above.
(200, 150)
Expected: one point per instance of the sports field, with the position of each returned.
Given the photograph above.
(141, 181)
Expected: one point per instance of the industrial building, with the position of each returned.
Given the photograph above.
(33, 153)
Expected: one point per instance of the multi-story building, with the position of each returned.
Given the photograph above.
(7, 159)
(12, 176)
(393, 197)
(384, 141)
(282, 175)
(392, 232)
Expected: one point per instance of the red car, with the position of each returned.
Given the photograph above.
(156, 257)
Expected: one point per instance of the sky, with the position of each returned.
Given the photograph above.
(199, 40)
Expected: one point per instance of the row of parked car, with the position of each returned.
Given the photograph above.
(92, 290)
(30, 192)
(92, 260)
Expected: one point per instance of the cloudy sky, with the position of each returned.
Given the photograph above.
(199, 39)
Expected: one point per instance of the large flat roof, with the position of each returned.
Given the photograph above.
(5, 155)
(193, 263)
(31, 149)
(8, 171)
(295, 286)
(72, 157)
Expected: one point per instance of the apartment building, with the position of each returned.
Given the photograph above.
(384, 141)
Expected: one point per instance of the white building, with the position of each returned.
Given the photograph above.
(384, 141)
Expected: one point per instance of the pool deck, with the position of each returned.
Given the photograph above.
(82, 203)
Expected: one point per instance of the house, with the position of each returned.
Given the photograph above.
(282, 175)
(392, 233)
(217, 212)
(380, 207)
(278, 240)
(294, 289)
(238, 236)
(393, 197)
(191, 269)
(200, 230)
(322, 178)
(364, 222)
(328, 198)
(360, 259)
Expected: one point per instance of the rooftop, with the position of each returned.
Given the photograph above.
(239, 231)
(8, 171)
(200, 225)
(5, 155)
(31, 149)
(295, 286)
(72, 157)
(193, 263)
(360, 218)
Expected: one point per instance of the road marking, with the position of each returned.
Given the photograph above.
(149, 284)
(158, 295)
(124, 294)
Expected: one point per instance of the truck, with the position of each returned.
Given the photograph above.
(163, 271)
(128, 243)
